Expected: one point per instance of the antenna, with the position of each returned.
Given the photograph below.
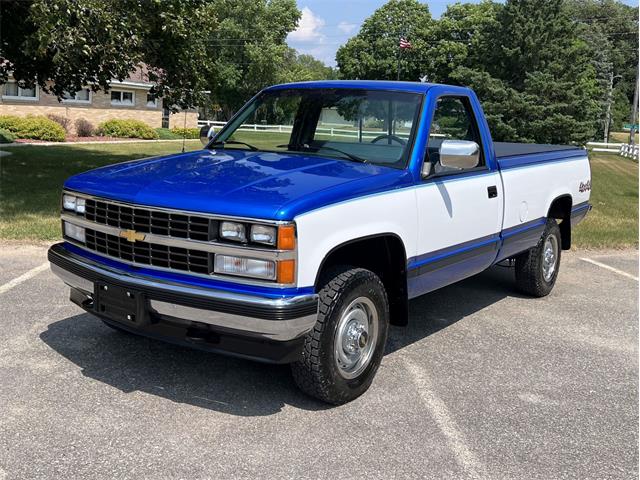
(184, 131)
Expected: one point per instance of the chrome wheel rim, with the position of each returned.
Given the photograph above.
(356, 337)
(549, 257)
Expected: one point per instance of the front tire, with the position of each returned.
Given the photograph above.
(342, 353)
(537, 269)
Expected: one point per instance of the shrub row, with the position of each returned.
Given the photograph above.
(166, 134)
(6, 136)
(186, 132)
(33, 127)
(127, 129)
(84, 128)
(53, 128)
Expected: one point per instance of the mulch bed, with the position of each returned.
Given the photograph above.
(72, 138)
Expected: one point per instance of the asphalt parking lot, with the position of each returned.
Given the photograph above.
(483, 383)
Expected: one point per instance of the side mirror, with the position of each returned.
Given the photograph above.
(204, 134)
(425, 171)
(459, 154)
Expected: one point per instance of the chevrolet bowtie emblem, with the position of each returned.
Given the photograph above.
(132, 235)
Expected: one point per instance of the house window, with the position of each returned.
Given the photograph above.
(12, 91)
(81, 96)
(121, 98)
(152, 102)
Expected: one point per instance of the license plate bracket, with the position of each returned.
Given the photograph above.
(120, 304)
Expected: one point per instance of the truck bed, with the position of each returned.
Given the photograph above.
(515, 155)
(509, 149)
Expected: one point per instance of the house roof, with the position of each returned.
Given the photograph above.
(140, 74)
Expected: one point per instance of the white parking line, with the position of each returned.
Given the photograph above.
(615, 270)
(23, 278)
(440, 414)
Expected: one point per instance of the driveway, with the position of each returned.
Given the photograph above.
(484, 383)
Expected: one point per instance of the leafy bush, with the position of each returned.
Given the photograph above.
(186, 132)
(127, 129)
(166, 134)
(6, 136)
(10, 123)
(84, 128)
(60, 120)
(32, 127)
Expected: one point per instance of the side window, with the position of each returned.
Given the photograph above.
(453, 119)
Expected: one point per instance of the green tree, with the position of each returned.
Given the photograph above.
(303, 67)
(231, 48)
(64, 45)
(610, 28)
(249, 48)
(537, 81)
(374, 52)
(464, 36)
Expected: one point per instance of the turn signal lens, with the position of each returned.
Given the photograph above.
(287, 237)
(286, 271)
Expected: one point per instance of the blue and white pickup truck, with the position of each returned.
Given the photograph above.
(305, 226)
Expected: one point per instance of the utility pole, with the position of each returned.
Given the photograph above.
(607, 117)
(634, 115)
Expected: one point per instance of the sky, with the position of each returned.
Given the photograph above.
(327, 24)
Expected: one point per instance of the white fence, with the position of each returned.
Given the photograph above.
(623, 149)
(630, 151)
(326, 130)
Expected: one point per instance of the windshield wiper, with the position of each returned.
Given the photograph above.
(350, 156)
(235, 142)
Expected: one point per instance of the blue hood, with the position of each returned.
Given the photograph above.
(265, 185)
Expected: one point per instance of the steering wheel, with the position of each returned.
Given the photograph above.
(401, 141)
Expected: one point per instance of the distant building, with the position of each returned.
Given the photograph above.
(127, 99)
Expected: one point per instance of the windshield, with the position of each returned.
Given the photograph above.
(368, 126)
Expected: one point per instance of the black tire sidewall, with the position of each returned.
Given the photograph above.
(552, 229)
(359, 286)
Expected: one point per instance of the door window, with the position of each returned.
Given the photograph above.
(453, 119)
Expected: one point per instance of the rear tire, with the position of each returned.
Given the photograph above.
(537, 269)
(342, 353)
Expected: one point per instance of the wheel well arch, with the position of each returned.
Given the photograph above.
(560, 209)
(385, 255)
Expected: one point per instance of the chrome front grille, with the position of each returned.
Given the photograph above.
(166, 239)
(146, 220)
(145, 253)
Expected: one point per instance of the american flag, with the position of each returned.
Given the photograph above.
(404, 43)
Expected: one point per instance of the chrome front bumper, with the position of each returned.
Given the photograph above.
(281, 319)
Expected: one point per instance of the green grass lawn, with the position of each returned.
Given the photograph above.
(31, 180)
(620, 137)
(32, 177)
(613, 222)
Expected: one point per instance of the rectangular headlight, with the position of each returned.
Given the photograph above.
(74, 231)
(245, 267)
(263, 234)
(80, 204)
(233, 231)
(69, 202)
(73, 203)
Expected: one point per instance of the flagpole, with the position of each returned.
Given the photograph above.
(401, 37)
